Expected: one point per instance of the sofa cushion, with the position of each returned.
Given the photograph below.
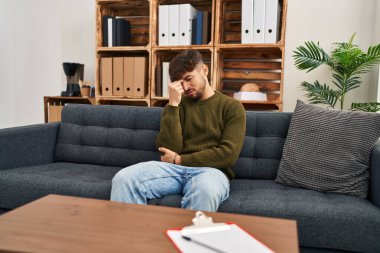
(21, 185)
(329, 150)
(325, 220)
(262, 149)
(108, 135)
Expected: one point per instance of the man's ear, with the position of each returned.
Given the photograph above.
(204, 70)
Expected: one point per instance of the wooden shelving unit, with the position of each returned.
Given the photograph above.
(53, 105)
(231, 63)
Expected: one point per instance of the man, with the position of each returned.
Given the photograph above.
(200, 138)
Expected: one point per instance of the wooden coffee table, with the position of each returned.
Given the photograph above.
(70, 224)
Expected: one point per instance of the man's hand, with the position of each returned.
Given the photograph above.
(169, 156)
(175, 92)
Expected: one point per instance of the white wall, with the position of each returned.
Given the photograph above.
(327, 21)
(7, 108)
(36, 37)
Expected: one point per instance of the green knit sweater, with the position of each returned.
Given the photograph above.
(207, 133)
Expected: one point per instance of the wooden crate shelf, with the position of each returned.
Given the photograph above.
(231, 64)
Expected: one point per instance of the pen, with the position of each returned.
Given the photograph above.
(202, 244)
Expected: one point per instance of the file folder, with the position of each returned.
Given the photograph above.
(165, 79)
(123, 32)
(106, 75)
(163, 25)
(198, 28)
(129, 68)
(206, 29)
(247, 21)
(173, 24)
(105, 30)
(140, 76)
(111, 32)
(187, 16)
(258, 21)
(117, 80)
(272, 21)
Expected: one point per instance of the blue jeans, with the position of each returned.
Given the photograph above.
(203, 188)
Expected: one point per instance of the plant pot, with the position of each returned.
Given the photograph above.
(85, 91)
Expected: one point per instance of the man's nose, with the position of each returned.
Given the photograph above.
(185, 85)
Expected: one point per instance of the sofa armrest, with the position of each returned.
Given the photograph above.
(375, 174)
(27, 145)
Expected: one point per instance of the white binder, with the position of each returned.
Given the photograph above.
(247, 21)
(258, 21)
(165, 79)
(111, 43)
(272, 21)
(187, 14)
(163, 25)
(173, 24)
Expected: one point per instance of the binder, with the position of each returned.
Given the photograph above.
(117, 80)
(187, 16)
(140, 76)
(205, 236)
(247, 21)
(163, 25)
(199, 28)
(258, 21)
(173, 24)
(165, 79)
(272, 21)
(129, 68)
(111, 32)
(158, 81)
(105, 30)
(206, 32)
(123, 32)
(106, 75)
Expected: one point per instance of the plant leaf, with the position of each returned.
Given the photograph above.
(310, 56)
(366, 107)
(321, 94)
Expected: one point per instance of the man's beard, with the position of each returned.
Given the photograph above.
(198, 94)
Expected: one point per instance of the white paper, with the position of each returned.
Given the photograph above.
(233, 240)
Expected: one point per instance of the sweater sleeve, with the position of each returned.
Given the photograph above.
(227, 152)
(170, 135)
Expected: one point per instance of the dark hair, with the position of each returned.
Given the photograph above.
(186, 61)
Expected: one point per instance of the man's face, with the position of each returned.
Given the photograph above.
(194, 83)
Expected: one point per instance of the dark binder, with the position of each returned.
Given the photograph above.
(123, 32)
(105, 30)
(158, 81)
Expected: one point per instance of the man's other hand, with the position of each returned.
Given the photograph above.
(169, 156)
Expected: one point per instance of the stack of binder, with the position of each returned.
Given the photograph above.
(123, 76)
(260, 21)
(116, 31)
(182, 24)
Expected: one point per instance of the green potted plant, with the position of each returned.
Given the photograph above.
(347, 62)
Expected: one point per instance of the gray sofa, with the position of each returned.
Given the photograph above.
(80, 155)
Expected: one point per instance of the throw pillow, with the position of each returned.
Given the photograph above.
(329, 150)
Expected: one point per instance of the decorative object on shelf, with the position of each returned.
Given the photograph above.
(250, 92)
(251, 87)
(74, 73)
(347, 61)
(84, 88)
